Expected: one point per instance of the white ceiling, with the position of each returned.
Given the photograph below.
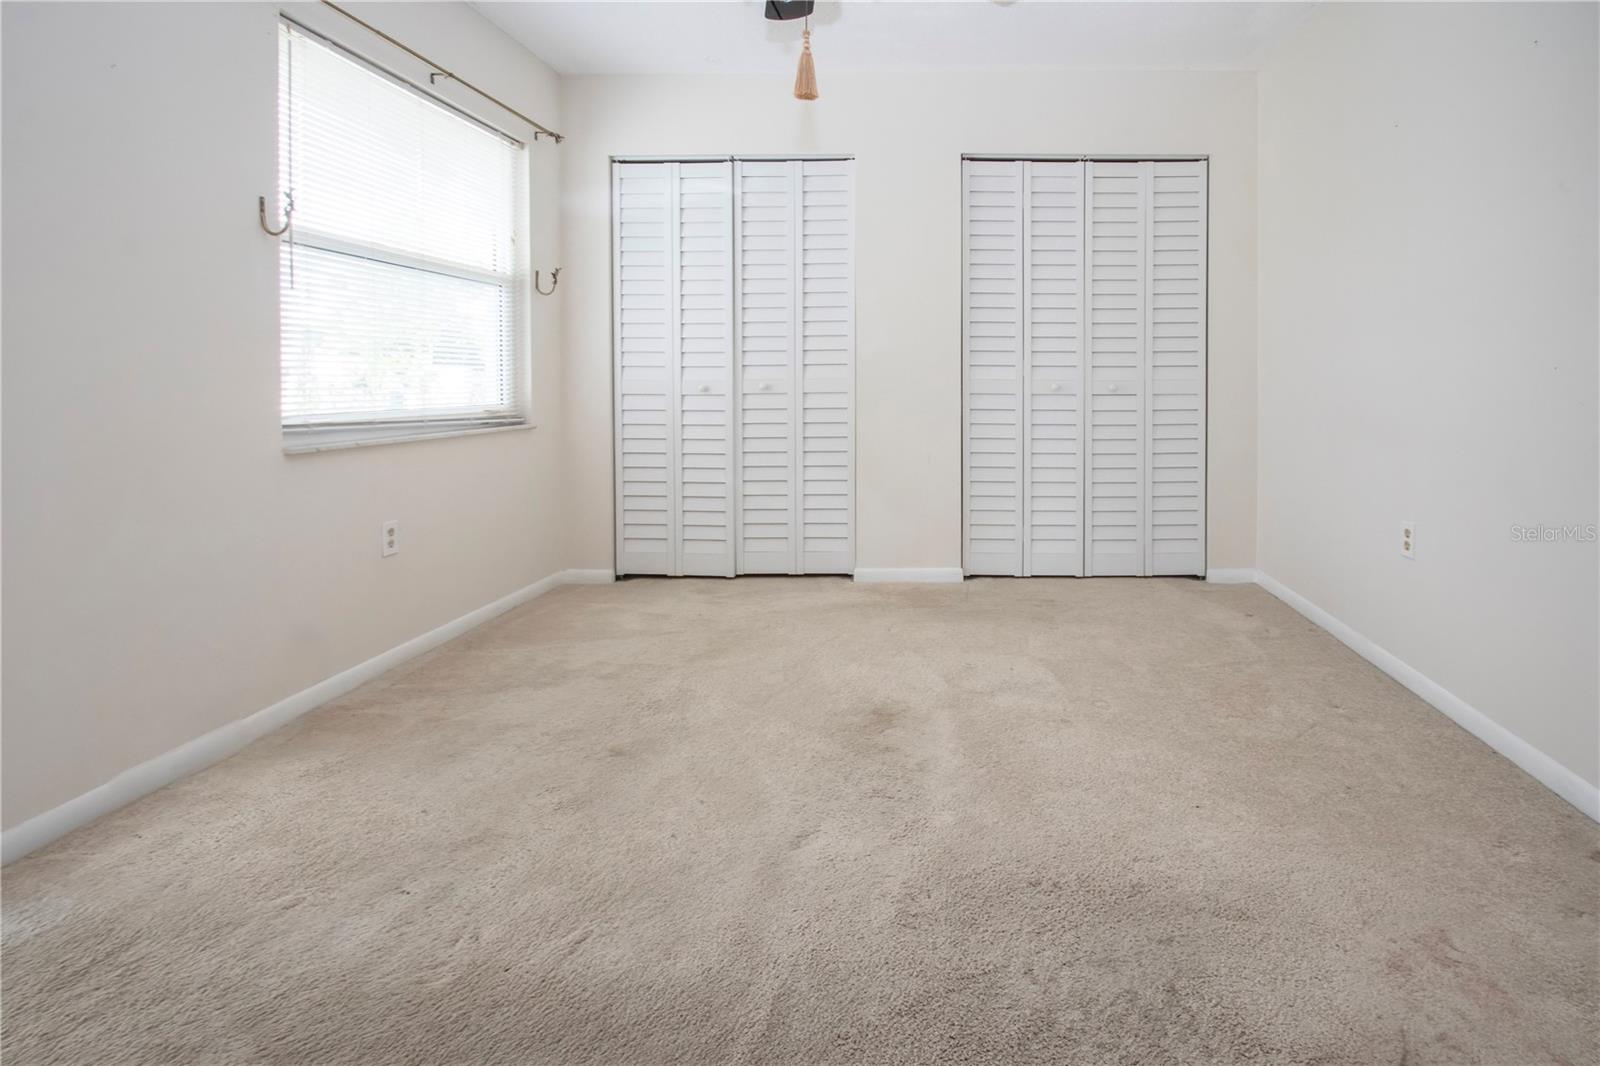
(732, 37)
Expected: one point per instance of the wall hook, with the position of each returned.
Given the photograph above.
(288, 215)
(555, 279)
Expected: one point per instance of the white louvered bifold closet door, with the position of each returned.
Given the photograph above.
(674, 368)
(705, 324)
(735, 367)
(1053, 354)
(1114, 524)
(1177, 386)
(766, 195)
(825, 370)
(1024, 367)
(646, 444)
(992, 323)
(1084, 359)
(1147, 301)
(796, 390)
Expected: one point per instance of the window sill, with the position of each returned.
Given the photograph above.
(305, 442)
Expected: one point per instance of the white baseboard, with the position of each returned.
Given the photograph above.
(224, 741)
(586, 577)
(1242, 576)
(1544, 769)
(925, 574)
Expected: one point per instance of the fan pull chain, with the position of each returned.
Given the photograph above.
(805, 79)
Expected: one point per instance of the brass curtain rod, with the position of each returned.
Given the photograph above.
(441, 72)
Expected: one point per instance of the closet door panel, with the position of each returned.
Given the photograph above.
(1084, 367)
(704, 299)
(993, 390)
(1115, 454)
(765, 206)
(1177, 375)
(735, 370)
(1053, 498)
(646, 446)
(825, 366)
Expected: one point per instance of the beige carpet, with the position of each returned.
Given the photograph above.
(804, 821)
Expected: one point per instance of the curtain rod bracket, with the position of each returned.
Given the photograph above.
(288, 215)
(555, 279)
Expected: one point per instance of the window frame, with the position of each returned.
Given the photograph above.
(399, 426)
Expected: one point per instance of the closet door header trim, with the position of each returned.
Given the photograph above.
(733, 159)
(1023, 157)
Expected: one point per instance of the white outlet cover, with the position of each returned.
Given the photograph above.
(1408, 539)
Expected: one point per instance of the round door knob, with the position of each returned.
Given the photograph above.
(766, 386)
(1056, 387)
(1114, 388)
(704, 388)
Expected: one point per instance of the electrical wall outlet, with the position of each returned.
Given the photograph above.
(1408, 539)
(390, 541)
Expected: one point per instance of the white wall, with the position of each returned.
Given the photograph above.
(168, 569)
(908, 132)
(1429, 345)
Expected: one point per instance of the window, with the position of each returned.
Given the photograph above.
(403, 297)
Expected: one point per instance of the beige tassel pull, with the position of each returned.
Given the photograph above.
(805, 79)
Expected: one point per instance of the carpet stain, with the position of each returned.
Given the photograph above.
(881, 718)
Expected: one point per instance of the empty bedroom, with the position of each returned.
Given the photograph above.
(773, 531)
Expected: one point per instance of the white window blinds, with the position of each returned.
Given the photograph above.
(402, 290)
